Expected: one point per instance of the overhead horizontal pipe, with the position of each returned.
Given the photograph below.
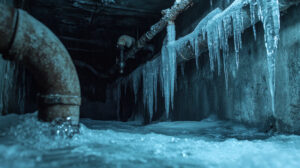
(187, 51)
(26, 40)
(168, 15)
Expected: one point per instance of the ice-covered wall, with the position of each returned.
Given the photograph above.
(200, 93)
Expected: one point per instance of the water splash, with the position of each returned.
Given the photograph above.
(28, 143)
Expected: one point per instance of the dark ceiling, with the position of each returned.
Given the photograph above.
(90, 28)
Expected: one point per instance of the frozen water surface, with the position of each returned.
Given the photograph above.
(26, 142)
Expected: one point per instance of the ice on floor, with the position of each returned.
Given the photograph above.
(28, 143)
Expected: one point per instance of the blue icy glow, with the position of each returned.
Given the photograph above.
(215, 29)
(28, 143)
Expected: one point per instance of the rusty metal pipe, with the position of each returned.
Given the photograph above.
(24, 39)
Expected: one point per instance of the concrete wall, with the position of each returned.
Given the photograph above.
(201, 93)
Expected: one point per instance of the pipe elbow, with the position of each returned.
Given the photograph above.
(34, 45)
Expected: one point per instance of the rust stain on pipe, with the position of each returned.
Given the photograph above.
(26, 40)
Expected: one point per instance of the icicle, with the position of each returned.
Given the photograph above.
(210, 43)
(270, 16)
(168, 67)
(213, 41)
(150, 76)
(253, 15)
(197, 52)
(225, 46)
(182, 69)
(148, 88)
(165, 78)
(156, 65)
(220, 39)
(237, 33)
(136, 77)
(172, 59)
(194, 38)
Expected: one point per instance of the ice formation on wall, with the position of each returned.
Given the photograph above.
(136, 77)
(231, 22)
(195, 37)
(215, 30)
(150, 76)
(219, 29)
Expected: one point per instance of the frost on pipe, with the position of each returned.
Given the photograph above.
(195, 37)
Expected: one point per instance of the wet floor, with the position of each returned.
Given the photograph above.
(28, 143)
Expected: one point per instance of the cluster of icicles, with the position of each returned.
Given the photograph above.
(215, 29)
